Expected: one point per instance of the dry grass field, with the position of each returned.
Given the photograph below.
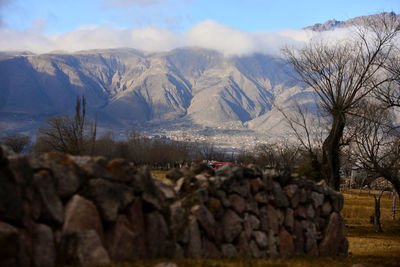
(367, 248)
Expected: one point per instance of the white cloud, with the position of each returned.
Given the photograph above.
(212, 35)
(230, 41)
(207, 34)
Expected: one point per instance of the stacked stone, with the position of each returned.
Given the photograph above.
(80, 211)
(242, 212)
(67, 210)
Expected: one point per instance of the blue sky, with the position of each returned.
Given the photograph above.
(179, 15)
(42, 24)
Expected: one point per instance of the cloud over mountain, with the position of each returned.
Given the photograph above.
(208, 34)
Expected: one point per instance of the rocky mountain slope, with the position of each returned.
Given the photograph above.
(127, 88)
(335, 24)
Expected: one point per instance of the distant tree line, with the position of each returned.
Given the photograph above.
(77, 135)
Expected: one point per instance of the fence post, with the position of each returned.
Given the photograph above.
(394, 204)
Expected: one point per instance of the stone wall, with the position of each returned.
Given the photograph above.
(61, 209)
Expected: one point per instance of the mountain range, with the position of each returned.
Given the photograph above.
(194, 91)
(335, 24)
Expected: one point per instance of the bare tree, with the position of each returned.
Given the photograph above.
(280, 156)
(309, 130)
(16, 142)
(376, 147)
(342, 74)
(306, 127)
(68, 134)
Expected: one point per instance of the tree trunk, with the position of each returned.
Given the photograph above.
(331, 151)
(377, 214)
(394, 204)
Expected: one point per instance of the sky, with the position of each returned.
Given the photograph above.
(230, 26)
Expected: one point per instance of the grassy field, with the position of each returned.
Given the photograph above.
(367, 248)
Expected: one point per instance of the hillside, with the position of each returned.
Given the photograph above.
(126, 88)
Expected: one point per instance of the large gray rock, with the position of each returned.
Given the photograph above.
(210, 250)
(195, 247)
(286, 245)
(180, 185)
(326, 209)
(334, 238)
(215, 207)
(272, 245)
(151, 195)
(337, 200)
(174, 174)
(202, 168)
(80, 215)
(11, 208)
(83, 249)
(137, 224)
(43, 249)
(92, 167)
(178, 221)
(243, 245)
(298, 236)
(252, 206)
(255, 185)
(123, 243)
(293, 193)
(67, 176)
(301, 212)
(303, 195)
(167, 192)
(289, 219)
(250, 224)
(25, 247)
(224, 171)
(23, 174)
(310, 211)
(311, 236)
(269, 219)
(9, 245)
(262, 197)
(229, 251)
(52, 211)
(206, 220)
(254, 250)
(238, 203)
(109, 198)
(317, 199)
(261, 239)
(252, 171)
(232, 225)
(223, 198)
(121, 171)
(279, 197)
(158, 241)
(235, 184)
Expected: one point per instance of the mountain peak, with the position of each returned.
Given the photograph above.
(335, 24)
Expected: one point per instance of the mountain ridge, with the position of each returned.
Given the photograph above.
(127, 88)
(335, 24)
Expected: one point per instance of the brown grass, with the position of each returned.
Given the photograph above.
(366, 246)
(158, 174)
(364, 241)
